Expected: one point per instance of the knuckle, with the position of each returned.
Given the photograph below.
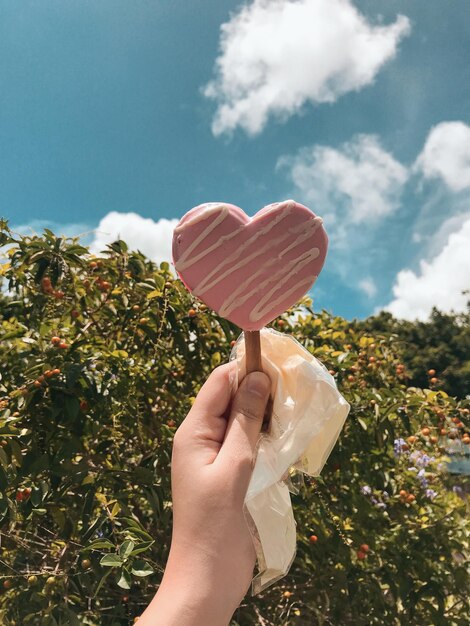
(248, 412)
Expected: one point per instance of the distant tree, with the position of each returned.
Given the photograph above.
(436, 349)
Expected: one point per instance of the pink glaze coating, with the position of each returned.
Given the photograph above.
(249, 270)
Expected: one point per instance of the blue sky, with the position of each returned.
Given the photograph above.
(361, 110)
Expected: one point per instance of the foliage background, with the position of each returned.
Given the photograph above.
(100, 361)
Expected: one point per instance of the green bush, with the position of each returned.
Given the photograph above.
(101, 360)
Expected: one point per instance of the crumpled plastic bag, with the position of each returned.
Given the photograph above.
(308, 413)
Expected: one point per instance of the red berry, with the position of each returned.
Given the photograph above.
(62, 345)
(313, 539)
(55, 341)
(364, 547)
(361, 555)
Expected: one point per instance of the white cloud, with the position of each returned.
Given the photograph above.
(275, 55)
(440, 282)
(358, 184)
(446, 155)
(368, 286)
(140, 233)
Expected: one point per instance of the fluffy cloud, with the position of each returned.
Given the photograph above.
(446, 155)
(368, 286)
(440, 282)
(275, 55)
(152, 238)
(359, 183)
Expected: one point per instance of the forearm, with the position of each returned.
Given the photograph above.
(188, 596)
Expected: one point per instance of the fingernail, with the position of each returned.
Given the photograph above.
(258, 383)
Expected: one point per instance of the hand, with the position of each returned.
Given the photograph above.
(212, 557)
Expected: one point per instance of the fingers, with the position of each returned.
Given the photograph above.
(244, 425)
(206, 422)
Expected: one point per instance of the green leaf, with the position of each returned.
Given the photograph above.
(126, 549)
(99, 543)
(111, 560)
(141, 568)
(124, 579)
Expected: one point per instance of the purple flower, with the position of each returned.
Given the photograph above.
(385, 495)
(381, 505)
(366, 490)
(398, 446)
(430, 493)
(422, 478)
(373, 500)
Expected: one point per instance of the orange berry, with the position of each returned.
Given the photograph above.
(443, 432)
(55, 341)
(460, 425)
(136, 307)
(412, 439)
(59, 294)
(410, 498)
(192, 312)
(144, 320)
(7, 584)
(431, 372)
(171, 423)
(232, 343)
(37, 383)
(372, 359)
(364, 547)
(425, 431)
(433, 439)
(403, 493)
(287, 594)
(351, 378)
(86, 563)
(62, 345)
(313, 539)
(3, 443)
(281, 323)
(456, 420)
(433, 381)
(332, 372)
(361, 555)
(466, 440)
(27, 492)
(55, 372)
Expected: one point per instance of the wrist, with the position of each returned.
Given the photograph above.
(190, 595)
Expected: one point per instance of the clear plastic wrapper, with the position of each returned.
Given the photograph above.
(308, 413)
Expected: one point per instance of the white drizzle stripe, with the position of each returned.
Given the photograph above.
(183, 260)
(255, 316)
(309, 229)
(206, 284)
(232, 303)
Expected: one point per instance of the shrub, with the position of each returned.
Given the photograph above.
(101, 360)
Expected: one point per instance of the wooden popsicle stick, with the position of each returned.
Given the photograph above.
(253, 364)
(252, 351)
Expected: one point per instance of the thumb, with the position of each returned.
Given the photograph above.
(245, 421)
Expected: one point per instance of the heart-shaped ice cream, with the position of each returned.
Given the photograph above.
(249, 270)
